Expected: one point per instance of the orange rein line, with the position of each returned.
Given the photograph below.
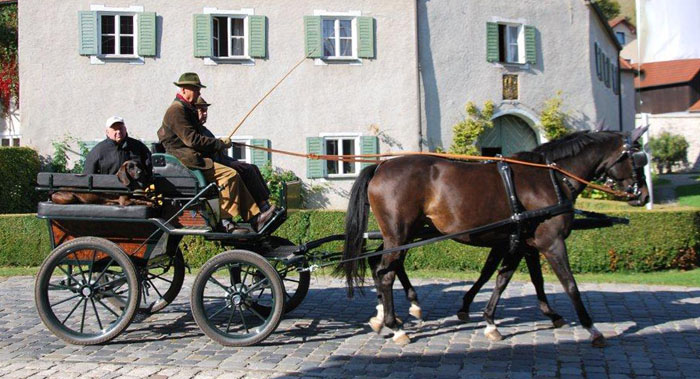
(353, 158)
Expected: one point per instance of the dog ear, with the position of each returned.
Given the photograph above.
(123, 176)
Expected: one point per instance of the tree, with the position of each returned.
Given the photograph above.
(9, 72)
(610, 8)
(468, 130)
(553, 119)
(667, 149)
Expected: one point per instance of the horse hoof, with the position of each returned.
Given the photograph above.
(558, 323)
(493, 334)
(415, 311)
(401, 339)
(599, 341)
(463, 316)
(376, 324)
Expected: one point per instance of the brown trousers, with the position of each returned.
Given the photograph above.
(234, 196)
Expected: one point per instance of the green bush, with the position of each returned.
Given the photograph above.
(18, 169)
(467, 131)
(654, 240)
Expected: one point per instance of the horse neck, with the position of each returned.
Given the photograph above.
(587, 165)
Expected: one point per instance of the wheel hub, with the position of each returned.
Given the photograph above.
(86, 291)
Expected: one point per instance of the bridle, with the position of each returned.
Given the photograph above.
(639, 160)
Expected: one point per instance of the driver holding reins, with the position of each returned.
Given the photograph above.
(182, 136)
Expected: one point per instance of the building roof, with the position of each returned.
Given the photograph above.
(622, 20)
(604, 22)
(665, 73)
(695, 107)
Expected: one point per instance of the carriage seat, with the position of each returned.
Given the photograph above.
(90, 182)
(47, 209)
(173, 179)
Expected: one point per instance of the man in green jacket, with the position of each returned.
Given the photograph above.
(181, 136)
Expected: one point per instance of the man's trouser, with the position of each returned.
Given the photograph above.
(251, 177)
(234, 196)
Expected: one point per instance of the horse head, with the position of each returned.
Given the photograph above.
(624, 167)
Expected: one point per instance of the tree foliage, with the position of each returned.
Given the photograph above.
(466, 132)
(610, 8)
(668, 149)
(9, 71)
(553, 119)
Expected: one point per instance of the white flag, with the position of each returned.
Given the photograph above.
(668, 29)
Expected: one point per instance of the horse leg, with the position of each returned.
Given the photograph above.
(386, 273)
(559, 260)
(415, 309)
(510, 264)
(376, 322)
(535, 269)
(494, 258)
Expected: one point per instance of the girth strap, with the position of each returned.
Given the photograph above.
(515, 209)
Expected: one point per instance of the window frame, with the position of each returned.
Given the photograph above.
(117, 35)
(351, 15)
(520, 23)
(217, 38)
(100, 58)
(10, 137)
(240, 139)
(337, 38)
(339, 137)
(624, 37)
(242, 13)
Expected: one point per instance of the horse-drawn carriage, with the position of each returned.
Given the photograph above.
(109, 261)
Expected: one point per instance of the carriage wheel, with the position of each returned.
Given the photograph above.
(295, 283)
(160, 282)
(227, 292)
(74, 285)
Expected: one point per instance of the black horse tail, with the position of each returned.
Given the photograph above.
(355, 226)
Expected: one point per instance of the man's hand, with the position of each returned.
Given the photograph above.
(226, 141)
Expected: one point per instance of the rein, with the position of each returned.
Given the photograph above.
(354, 158)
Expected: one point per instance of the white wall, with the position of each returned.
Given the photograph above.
(682, 123)
(62, 93)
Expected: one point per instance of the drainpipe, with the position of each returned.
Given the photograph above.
(418, 87)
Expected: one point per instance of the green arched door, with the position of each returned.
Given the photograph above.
(509, 135)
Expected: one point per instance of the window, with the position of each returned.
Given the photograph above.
(238, 152)
(509, 42)
(341, 146)
(229, 36)
(620, 37)
(117, 34)
(10, 141)
(339, 36)
(229, 39)
(117, 38)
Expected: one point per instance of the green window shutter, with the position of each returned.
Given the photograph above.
(491, 42)
(315, 167)
(259, 157)
(147, 34)
(202, 25)
(530, 45)
(365, 32)
(87, 22)
(257, 46)
(312, 36)
(597, 60)
(369, 145)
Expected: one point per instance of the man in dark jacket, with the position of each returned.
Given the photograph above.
(250, 173)
(107, 156)
(181, 135)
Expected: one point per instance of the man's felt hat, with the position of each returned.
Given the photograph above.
(201, 103)
(189, 79)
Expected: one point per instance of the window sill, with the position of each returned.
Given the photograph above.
(102, 59)
(513, 65)
(244, 61)
(340, 176)
(344, 61)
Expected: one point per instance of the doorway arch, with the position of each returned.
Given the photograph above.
(510, 134)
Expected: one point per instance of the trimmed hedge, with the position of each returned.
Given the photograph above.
(18, 169)
(654, 240)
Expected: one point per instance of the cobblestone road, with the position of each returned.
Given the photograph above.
(651, 331)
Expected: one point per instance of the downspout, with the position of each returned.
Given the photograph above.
(418, 78)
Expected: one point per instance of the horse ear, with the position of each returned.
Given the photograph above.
(637, 132)
(600, 126)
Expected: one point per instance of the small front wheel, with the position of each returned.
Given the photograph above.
(227, 294)
(75, 287)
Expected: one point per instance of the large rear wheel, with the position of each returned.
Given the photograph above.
(74, 288)
(227, 294)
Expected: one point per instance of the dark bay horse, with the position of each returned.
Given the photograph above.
(409, 192)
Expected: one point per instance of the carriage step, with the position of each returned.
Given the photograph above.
(192, 230)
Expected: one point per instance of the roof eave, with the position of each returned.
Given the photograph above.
(604, 22)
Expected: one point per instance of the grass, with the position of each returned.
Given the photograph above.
(689, 195)
(611, 206)
(670, 278)
(660, 181)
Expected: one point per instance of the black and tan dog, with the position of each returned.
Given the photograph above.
(131, 174)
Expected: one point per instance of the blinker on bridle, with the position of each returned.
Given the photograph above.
(639, 160)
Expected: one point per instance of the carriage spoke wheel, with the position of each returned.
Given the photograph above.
(160, 282)
(74, 288)
(227, 293)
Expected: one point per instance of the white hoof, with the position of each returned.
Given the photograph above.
(376, 324)
(401, 338)
(492, 333)
(597, 338)
(416, 311)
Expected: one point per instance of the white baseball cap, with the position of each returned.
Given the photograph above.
(113, 120)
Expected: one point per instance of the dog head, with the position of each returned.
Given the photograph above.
(132, 174)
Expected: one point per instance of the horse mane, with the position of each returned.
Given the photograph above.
(565, 147)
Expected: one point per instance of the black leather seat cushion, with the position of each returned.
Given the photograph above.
(94, 181)
(49, 209)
